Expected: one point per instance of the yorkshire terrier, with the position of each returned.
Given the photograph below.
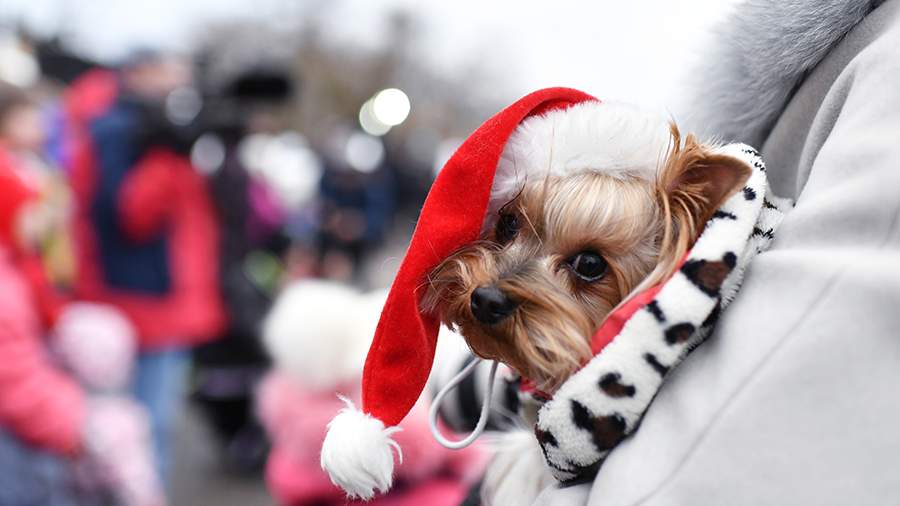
(560, 252)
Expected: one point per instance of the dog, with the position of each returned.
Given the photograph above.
(566, 250)
(587, 245)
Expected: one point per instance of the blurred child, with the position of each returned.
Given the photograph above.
(318, 334)
(99, 345)
(22, 137)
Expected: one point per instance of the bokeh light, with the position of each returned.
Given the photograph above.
(364, 152)
(369, 122)
(391, 106)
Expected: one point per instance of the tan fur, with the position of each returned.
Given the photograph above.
(641, 228)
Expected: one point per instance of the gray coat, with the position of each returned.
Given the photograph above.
(795, 400)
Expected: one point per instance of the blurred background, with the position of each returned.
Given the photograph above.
(192, 158)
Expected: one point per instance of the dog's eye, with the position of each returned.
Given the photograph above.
(507, 228)
(588, 266)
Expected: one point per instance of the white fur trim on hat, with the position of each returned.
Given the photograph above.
(614, 138)
(358, 453)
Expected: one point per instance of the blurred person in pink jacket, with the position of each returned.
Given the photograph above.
(59, 445)
(317, 334)
(38, 403)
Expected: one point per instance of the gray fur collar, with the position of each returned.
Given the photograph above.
(758, 56)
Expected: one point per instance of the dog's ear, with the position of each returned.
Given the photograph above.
(696, 181)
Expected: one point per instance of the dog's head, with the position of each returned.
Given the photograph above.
(561, 253)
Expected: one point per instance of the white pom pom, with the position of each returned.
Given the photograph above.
(358, 453)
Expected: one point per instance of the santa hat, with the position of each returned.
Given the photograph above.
(555, 131)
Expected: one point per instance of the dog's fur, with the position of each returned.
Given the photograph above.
(640, 226)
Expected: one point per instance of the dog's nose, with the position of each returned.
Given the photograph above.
(490, 305)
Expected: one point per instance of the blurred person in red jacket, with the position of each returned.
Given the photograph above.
(50, 426)
(146, 230)
(42, 410)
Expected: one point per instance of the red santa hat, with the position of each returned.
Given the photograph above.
(555, 130)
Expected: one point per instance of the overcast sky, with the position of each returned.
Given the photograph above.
(634, 51)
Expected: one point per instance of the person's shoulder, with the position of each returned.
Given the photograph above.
(881, 55)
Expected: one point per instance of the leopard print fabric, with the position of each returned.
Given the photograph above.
(604, 402)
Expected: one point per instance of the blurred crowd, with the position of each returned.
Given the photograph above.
(148, 222)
